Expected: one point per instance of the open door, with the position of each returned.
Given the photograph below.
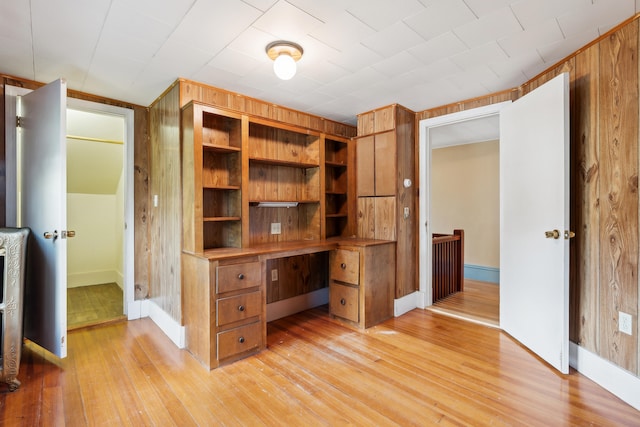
(42, 195)
(534, 229)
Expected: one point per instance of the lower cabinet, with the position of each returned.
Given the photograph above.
(362, 282)
(224, 308)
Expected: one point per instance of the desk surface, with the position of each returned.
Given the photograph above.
(285, 249)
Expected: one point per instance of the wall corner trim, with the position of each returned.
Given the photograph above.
(407, 303)
(616, 380)
(170, 327)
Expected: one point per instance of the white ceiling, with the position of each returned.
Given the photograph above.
(359, 54)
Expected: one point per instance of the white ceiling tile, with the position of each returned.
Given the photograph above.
(532, 13)
(399, 63)
(324, 71)
(342, 31)
(440, 17)
(601, 15)
(15, 21)
(354, 57)
(287, 22)
(352, 82)
(437, 48)
(323, 10)
(484, 7)
(435, 70)
(123, 22)
(512, 67)
(557, 51)
(540, 35)
(234, 62)
(211, 26)
(262, 5)
(392, 39)
(379, 14)
(496, 25)
(191, 60)
(252, 42)
(14, 60)
(487, 53)
(168, 12)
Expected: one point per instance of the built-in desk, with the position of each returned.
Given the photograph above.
(224, 292)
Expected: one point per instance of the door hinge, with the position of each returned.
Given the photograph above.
(19, 121)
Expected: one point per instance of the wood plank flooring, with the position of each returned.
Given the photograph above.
(480, 303)
(418, 369)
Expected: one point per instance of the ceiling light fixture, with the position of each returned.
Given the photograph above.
(284, 55)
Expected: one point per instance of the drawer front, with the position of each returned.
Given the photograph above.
(239, 340)
(345, 265)
(238, 276)
(240, 307)
(343, 301)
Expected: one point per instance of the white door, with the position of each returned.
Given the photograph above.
(42, 190)
(534, 198)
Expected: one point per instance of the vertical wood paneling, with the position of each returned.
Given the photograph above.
(618, 82)
(584, 249)
(141, 203)
(3, 163)
(407, 242)
(166, 218)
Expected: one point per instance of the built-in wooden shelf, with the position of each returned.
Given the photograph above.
(286, 163)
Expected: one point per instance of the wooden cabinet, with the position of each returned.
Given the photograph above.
(362, 277)
(225, 308)
(376, 165)
(339, 200)
(211, 178)
(387, 187)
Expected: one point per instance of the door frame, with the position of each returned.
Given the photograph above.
(11, 93)
(424, 297)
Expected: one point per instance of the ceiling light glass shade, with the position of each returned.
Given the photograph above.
(284, 66)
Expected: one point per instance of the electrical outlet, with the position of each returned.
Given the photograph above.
(274, 275)
(276, 228)
(624, 323)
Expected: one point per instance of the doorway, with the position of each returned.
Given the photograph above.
(460, 163)
(95, 211)
(124, 221)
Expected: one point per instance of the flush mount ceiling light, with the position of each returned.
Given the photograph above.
(284, 55)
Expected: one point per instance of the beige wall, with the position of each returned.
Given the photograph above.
(465, 194)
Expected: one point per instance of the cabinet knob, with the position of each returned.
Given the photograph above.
(241, 308)
(240, 276)
(343, 266)
(343, 302)
(241, 340)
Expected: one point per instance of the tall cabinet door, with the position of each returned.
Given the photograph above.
(385, 164)
(365, 167)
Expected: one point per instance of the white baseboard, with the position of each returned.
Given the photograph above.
(287, 307)
(406, 303)
(607, 375)
(148, 308)
(92, 278)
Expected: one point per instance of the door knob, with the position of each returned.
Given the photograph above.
(68, 234)
(555, 234)
(50, 235)
(569, 234)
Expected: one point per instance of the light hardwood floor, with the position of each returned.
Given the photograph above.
(479, 302)
(418, 369)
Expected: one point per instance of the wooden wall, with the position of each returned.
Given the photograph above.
(604, 188)
(141, 167)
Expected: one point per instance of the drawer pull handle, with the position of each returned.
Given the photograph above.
(343, 302)
(241, 308)
(241, 340)
(240, 276)
(343, 266)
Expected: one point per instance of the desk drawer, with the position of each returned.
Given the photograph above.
(238, 276)
(240, 307)
(345, 265)
(343, 301)
(239, 340)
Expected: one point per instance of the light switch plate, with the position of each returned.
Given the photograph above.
(624, 323)
(276, 228)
